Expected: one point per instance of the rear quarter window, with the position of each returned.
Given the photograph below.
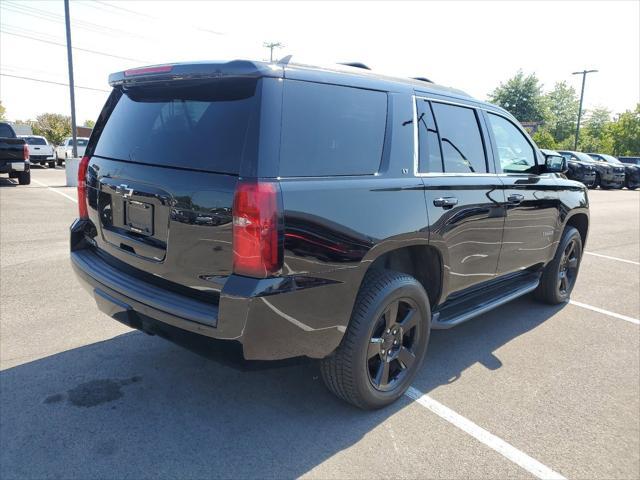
(331, 130)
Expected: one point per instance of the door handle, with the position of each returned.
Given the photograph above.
(445, 202)
(515, 198)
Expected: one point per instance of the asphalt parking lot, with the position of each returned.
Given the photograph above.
(526, 390)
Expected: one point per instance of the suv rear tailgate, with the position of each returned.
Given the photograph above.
(164, 163)
(175, 224)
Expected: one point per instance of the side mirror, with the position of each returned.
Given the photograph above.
(555, 164)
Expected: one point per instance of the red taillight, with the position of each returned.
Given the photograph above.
(25, 152)
(256, 243)
(82, 188)
(147, 70)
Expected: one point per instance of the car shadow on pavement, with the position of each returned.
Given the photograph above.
(8, 182)
(136, 406)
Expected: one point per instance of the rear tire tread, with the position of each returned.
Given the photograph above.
(336, 370)
(547, 291)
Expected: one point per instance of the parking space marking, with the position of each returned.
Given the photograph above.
(55, 191)
(505, 449)
(605, 312)
(613, 258)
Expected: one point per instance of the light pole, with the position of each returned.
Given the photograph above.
(271, 46)
(584, 77)
(71, 90)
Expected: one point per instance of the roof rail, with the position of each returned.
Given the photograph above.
(355, 64)
(423, 79)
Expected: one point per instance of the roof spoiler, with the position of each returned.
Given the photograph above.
(193, 71)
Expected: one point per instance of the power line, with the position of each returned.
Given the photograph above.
(96, 52)
(146, 15)
(53, 83)
(56, 18)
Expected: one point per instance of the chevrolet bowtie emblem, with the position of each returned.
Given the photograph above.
(124, 190)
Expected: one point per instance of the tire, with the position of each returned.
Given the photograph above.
(355, 371)
(58, 159)
(24, 178)
(52, 164)
(560, 274)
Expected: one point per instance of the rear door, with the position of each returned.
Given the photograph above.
(531, 198)
(464, 196)
(162, 176)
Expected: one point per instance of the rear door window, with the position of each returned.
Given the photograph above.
(430, 155)
(331, 130)
(462, 146)
(204, 126)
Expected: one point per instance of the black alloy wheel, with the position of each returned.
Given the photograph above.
(568, 271)
(385, 342)
(391, 351)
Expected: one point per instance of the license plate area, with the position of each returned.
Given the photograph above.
(138, 217)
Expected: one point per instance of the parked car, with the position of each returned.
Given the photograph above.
(607, 176)
(39, 150)
(65, 150)
(631, 172)
(580, 170)
(326, 212)
(630, 160)
(14, 155)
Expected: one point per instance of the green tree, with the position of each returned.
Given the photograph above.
(522, 96)
(561, 108)
(597, 121)
(596, 134)
(89, 123)
(544, 139)
(625, 133)
(53, 126)
(2, 111)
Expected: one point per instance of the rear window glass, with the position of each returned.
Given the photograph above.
(331, 130)
(462, 147)
(204, 126)
(6, 131)
(35, 141)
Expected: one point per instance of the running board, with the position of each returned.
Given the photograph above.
(461, 310)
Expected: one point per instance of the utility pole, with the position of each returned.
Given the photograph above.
(271, 46)
(71, 89)
(584, 77)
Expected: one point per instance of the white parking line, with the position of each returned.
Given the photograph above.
(55, 191)
(605, 312)
(612, 258)
(508, 451)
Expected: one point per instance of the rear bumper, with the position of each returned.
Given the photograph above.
(40, 158)
(14, 166)
(272, 318)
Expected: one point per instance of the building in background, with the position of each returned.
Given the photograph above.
(83, 131)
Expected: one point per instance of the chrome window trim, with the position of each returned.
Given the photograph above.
(416, 153)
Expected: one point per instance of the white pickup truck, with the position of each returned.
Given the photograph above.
(65, 150)
(40, 151)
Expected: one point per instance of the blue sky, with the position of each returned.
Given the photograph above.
(469, 45)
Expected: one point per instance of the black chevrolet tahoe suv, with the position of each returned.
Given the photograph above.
(329, 212)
